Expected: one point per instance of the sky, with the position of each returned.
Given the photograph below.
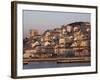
(43, 20)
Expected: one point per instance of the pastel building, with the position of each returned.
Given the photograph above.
(33, 32)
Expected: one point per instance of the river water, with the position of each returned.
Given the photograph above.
(38, 65)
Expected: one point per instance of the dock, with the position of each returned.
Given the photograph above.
(58, 60)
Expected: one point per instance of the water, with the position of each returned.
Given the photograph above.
(38, 65)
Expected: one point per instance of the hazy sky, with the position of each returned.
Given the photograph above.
(43, 20)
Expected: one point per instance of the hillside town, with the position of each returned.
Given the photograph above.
(69, 40)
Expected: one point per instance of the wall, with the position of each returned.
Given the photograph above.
(5, 41)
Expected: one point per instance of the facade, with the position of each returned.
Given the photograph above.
(33, 32)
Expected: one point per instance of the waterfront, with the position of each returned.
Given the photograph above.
(66, 46)
(38, 65)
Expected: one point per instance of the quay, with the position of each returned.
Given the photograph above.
(58, 60)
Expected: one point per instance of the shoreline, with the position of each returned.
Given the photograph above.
(58, 60)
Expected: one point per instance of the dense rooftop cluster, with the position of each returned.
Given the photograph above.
(64, 40)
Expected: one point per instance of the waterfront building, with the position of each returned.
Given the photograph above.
(29, 52)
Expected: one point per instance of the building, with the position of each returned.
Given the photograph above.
(62, 40)
(33, 32)
(55, 33)
(29, 52)
(46, 37)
